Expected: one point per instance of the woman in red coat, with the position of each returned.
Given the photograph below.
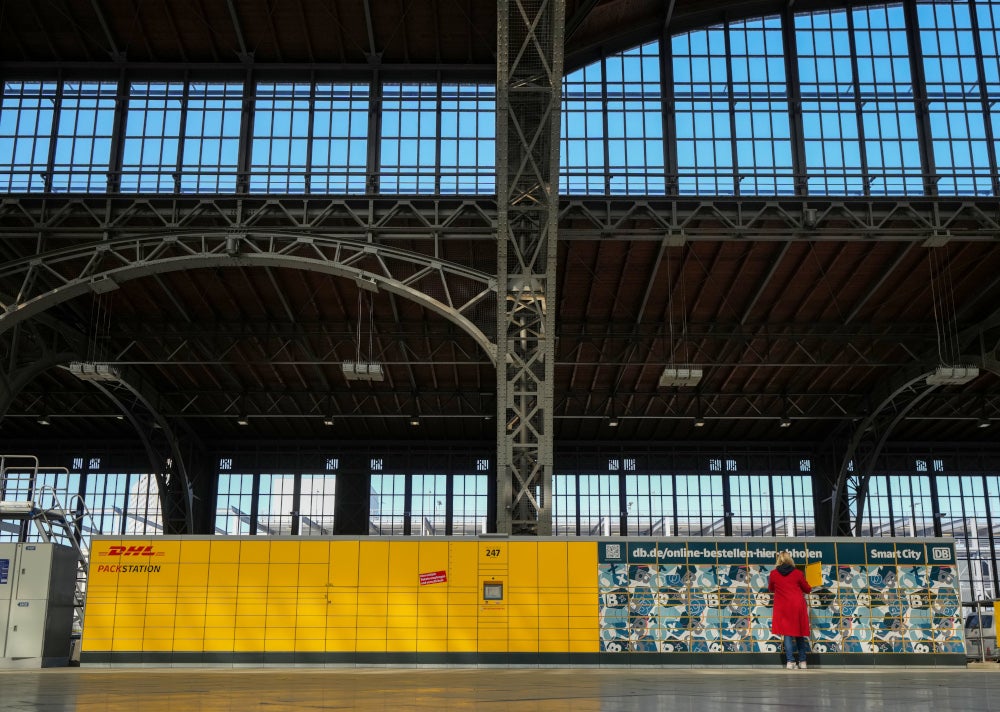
(791, 616)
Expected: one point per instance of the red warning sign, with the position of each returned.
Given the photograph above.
(433, 577)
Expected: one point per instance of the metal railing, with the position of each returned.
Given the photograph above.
(58, 516)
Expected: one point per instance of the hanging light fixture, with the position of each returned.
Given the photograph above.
(952, 375)
(364, 369)
(948, 372)
(675, 376)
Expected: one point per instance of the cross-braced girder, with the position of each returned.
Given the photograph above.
(435, 220)
(463, 295)
(529, 76)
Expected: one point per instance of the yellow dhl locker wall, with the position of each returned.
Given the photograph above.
(254, 599)
(516, 601)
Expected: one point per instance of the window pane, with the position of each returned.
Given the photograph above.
(956, 113)
(733, 134)
(316, 505)
(152, 137)
(83, 138)
(211, 138)
(612, 126)
(25, 132)
(234, 504)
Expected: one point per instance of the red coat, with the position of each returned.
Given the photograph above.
(791, 615)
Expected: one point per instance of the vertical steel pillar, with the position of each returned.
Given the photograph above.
(984, 96)
(373, 159)
(529, 84)
(668, 107)
(921, 103)
(181, 131)
(50, 167)
(245, 150)
(116, 160)
(796, 124)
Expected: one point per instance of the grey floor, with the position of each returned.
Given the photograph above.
(525, 690)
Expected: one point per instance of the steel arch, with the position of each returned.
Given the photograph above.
(903, 385)
(173, 482)
(464, 296)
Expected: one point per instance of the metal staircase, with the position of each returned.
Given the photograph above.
(48, 515)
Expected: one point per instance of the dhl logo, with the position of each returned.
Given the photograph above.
(130, 551)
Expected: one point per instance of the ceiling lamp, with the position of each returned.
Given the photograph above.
(328, 421)
(362, 371)
(952, 375)
(699, 422)
(679, 377)
(44, 420)
(244, 419)
(364, 367)
(612, 422)
(415, 420)
(785, 423)
(87, 371)
(674, 376)
(983, 423)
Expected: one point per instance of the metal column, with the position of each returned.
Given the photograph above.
(529, 83)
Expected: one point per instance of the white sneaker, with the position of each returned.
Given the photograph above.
(790, 666)
(802, 665)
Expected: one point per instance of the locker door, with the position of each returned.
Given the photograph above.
(34, 564)
(25, 629)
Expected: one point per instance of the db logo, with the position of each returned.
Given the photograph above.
(130, 551)
(941, 553)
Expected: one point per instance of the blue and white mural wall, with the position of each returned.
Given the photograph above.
(691, 596)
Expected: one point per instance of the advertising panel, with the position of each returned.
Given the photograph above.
(711, 596)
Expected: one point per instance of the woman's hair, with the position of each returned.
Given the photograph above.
(785, 558)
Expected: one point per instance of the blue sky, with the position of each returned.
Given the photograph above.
(731, 130)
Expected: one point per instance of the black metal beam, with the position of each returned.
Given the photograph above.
(113, 51)
(580, 16)
(374, 56)
(443, 217)
(244, 56)
(206, 71)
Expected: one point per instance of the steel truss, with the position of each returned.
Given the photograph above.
(57, 247)
(306, 403)
(529, 83)
(816, 346)
(898, 396)
(42, 343)
(167, 459)
(438, 219)
(33, 284)
(902, 393)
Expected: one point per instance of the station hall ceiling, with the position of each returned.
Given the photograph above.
(811, 328)
(404, 35)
